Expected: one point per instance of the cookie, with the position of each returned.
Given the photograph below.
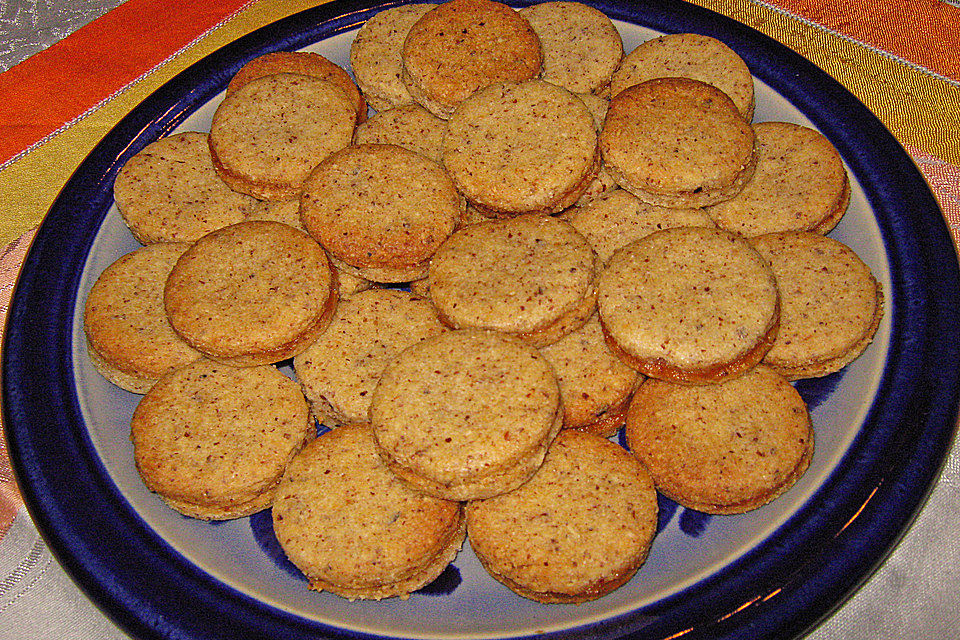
(617, 218)
(376, 55)
(339, 371)
(288, 212)
(724, 448)
(677, 142)
(129, 338)
(522, 148)
(349, 524)
(170, 191)
(449, 53)
(603, 182)
(213, 440)
(800, 184)
(305, 63)
(269, 134)
(831, 305)
(466, 414)
(531, 276)
(595, 385)
(581, 46)
(689, 304)
(252, 293)
(409, 126)
(580, 528)
(380, 207)
(689, 55)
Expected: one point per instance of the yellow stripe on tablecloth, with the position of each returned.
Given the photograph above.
(920, 108)
(29, 186)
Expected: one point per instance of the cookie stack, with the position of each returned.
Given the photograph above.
(532, 241)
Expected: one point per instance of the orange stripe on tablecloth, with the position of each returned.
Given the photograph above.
(64, 81)
(925, 32)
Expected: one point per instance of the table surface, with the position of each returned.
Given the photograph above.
(915, 593)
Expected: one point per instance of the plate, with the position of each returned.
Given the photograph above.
(883, 425)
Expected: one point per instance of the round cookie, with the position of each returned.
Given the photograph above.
(461, 46)
(354, 529)
(380, 207)
(522, 148)
(617, 218)
(800, 184)
(339, 371)
(677, 142)
(170, 191)
(305, 63)
(213, 440)
(581, 46)
(409, 126)
(271, 132)
(724, 448)
(595, 385)
(252, 293)
(288, 212)
(580, 528)
(831, 304)
(129, 338)
(689, 304)
(376, 55)
(466, 414)
(689, 55)
(531, 276)
(603, 182)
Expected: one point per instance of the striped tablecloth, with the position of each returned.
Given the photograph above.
(900, 57)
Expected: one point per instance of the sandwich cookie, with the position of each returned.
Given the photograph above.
(251, 293)
(580, 528)
(354, 529)
(531, 276)
(677, 142)
(722, 448)
(831, 305)
(213, 440)
(129, 338)
(466, 414)
(170, 191)
(689, 304)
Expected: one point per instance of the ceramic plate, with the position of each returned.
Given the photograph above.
(883, 425)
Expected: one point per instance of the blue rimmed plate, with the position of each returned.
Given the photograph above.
(883, 425)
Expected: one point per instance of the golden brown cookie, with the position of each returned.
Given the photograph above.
(271, 132)
(339, 371)
(800, 184)
(130, 340)
(170, 191)
(689, 304)
(531, 276)
(252, 293)
(381, 209)
(581, 46)
(522, 148)
(831, 304)
(595, 385)
(213, 440)
(305, 63)
(449, 53)
(354, 529)
(677, 142)
(409, 126)
(376, 55)
(580, 528)
(617, 218)
(466, 414)
(689, 55)
(722, 448)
